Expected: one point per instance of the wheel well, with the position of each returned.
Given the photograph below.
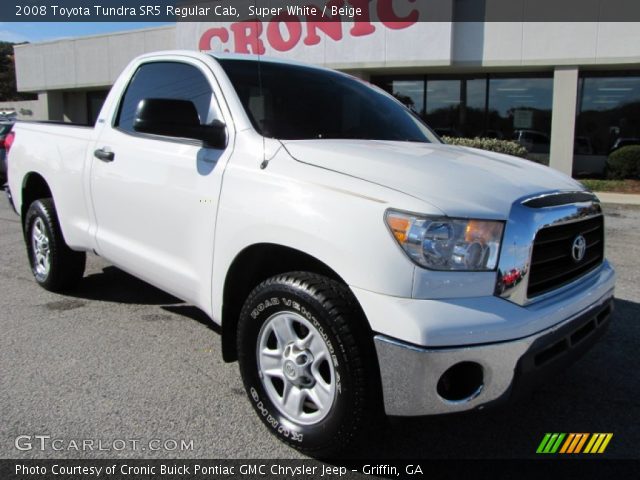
(252, 266)
(34, 188)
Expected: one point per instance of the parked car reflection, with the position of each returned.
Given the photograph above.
(532, 140)
(624, 142)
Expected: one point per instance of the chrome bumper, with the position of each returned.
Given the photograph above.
(410, 375)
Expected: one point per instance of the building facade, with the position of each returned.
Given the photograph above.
(569, 92)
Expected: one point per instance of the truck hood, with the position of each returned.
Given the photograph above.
(459, 181)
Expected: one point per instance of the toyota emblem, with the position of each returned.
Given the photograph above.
(578, 248)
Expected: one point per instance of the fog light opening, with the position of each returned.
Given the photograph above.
(462, 382)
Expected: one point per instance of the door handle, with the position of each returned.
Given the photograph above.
(104, 155)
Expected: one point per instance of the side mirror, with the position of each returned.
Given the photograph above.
(177, 118)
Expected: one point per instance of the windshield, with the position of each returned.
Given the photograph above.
(304, 103)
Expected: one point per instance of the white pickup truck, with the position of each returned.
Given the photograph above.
(355, 263)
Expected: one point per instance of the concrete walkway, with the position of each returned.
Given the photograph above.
(619, 198)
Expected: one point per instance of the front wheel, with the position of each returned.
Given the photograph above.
(54, 265)
(305, 361)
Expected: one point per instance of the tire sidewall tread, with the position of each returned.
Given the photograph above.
(66, 265)
(329, 305)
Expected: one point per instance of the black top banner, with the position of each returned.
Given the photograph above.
(397, 12)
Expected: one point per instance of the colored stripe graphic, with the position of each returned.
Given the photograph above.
(581, 442)
(550, 443)
(573, 443)
(607, 439)
(598, 443)
(577, 438)
(593, 439)
(557, 444)
(543, 443)
(567, 443)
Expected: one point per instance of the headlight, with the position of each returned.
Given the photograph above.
(442, 243)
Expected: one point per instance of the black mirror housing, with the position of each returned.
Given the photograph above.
(177, 118)
(215, 134)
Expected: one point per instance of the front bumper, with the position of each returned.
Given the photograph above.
(412, 376)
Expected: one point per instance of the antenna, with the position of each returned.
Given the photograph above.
(264, 163)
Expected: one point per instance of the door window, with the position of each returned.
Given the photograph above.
(168, 80)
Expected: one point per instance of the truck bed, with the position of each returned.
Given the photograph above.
(58, 152)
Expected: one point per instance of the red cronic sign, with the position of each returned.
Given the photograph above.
(285, 30)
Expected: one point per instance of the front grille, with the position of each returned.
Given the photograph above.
(552, 263)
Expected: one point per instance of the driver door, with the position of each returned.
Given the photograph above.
(155, 197)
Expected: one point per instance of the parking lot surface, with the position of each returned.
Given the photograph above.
(118, 361)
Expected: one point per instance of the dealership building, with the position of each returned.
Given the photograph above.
(569, 92)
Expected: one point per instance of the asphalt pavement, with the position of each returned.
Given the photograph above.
(140, 374)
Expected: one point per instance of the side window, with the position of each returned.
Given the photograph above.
(172, 80)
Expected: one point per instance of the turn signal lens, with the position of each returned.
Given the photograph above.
(399, 227)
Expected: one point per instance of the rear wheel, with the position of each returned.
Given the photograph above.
(304, 358)
(54, 265)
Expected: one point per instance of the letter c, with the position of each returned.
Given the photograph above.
(391, 20)
(206, 38)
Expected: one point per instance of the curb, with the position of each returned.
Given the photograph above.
(619, 198)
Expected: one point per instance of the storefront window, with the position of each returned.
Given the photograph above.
(520, 109)
(411, 93)
(608, 114)
(456, 107)
(408, 91)
(443, 107)
(95, 100)
(516, 108)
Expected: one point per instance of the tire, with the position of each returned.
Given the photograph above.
(305, 354)
(54, 265)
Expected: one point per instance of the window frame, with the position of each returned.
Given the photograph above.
(214, 104)
(587, 74)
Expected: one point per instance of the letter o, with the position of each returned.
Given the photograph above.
(119, 445)
(274, 35)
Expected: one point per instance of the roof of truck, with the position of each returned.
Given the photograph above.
(260, 58)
